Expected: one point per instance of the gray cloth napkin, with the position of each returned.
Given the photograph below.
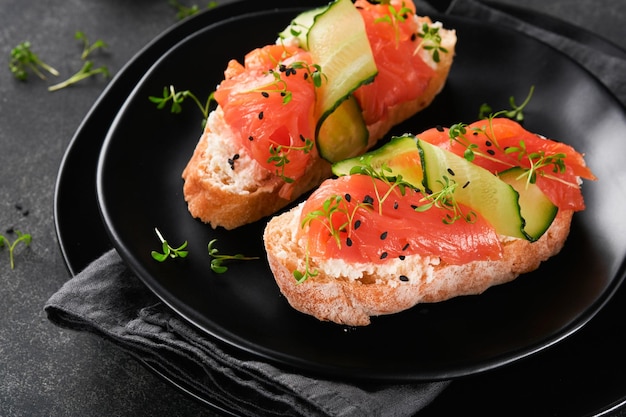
(108, 300)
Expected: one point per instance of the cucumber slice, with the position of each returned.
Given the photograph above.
(494, 199)
(399, 157)
(537, 210)
(344, 133)
(299, 27)
(339, 45)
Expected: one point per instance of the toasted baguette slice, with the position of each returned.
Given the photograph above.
(230, 193)
(350, 293)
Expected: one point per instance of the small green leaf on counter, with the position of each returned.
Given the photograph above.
(24, 59)
(21, 237)
(183, 11)
(85, 72)
(87, 47)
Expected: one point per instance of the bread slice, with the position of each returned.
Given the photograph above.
(351, 293)
(225, 187)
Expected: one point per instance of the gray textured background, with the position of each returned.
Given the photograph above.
(46, 371)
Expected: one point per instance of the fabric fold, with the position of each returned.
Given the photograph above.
(107, 299)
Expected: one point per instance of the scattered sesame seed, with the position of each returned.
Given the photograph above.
(450, 171)
(383, 235)
(383, 255)
(348, 197)
(261, 116)
(368, 200)
(357, 224)
(491, 152)
(265, 94)
(250, 138)
(405, 247)
(404, 278)
(488, 143)
(466, 184)
(348, 241)
(395, 205)
(402, 257)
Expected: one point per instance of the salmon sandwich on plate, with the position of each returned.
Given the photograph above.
(334, 82)
(425, 218)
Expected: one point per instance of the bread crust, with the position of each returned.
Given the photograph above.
(223, 195)
(345, 300)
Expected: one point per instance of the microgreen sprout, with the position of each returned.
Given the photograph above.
(218, 259)
(515, 113)
(431, 41)
(176, 98)
(168, 251)
(383, 174)
(21, 237)
(395, 17)
(24, 59)
(183, 11)
(279, 156)
(88, 48)
(313, 73)
(85, 72)
(444, 199)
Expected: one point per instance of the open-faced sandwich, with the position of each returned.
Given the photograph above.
(448, 212)
(336, 80)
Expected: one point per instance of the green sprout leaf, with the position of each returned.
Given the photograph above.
(21, 237)
(218, 259)
(24, 59)
(167, 250)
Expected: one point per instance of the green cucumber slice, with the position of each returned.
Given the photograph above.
(536, 209)
(494, 199)
(399, 156)
(299, 27)
(344, 133)
(339, 45)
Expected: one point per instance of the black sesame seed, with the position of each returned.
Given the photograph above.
(306, 76)
(450, 172)
(383, 255)
(466, 184)
(348, 242)
(413, 37)
(250, 138)
(439, 128)
(348, 197)
(404, 278)
(491, 152)
(488, 143)
(357, 224)
(283, 94)
(265, 94)
(395, 205)
(368, 200)
(475, 133)
(402, 257)
(405, 247)
(282, 68)
(302, 138)
(261, 116)
(383, 235)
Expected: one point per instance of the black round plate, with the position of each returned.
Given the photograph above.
(140, 189)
